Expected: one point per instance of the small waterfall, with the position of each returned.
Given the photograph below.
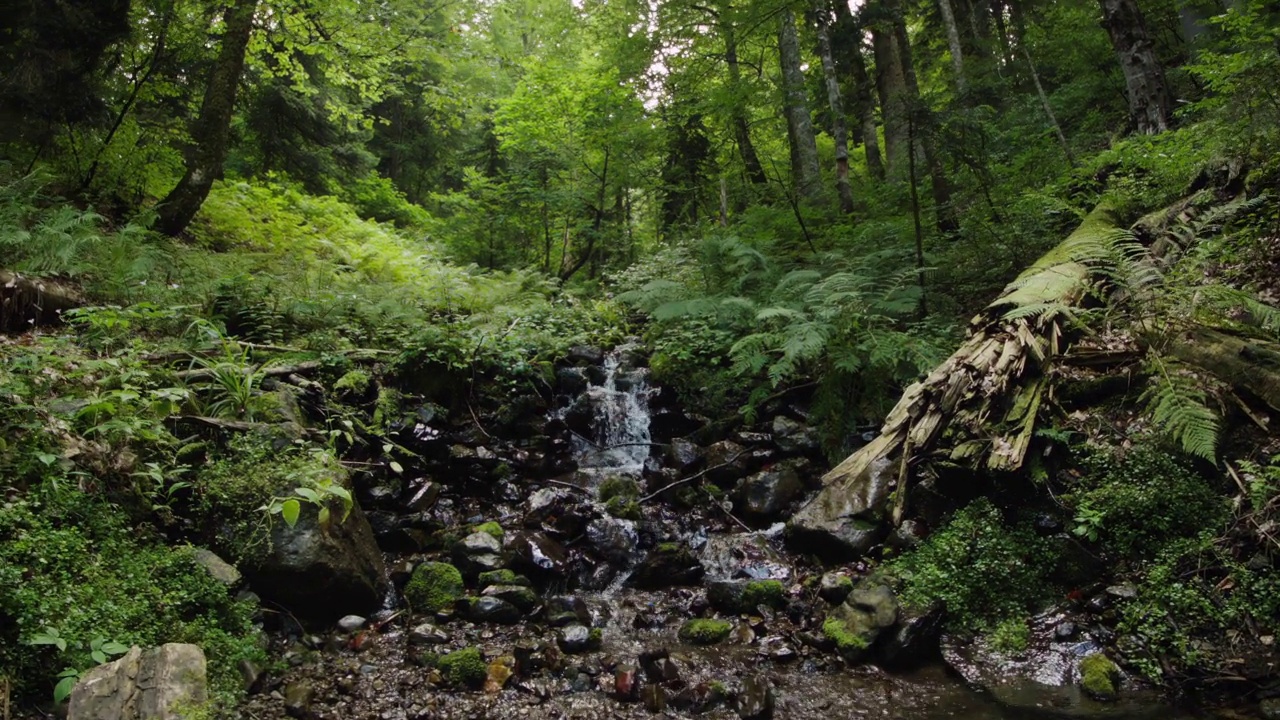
(620, 441)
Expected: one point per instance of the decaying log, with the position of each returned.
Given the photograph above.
(27, 302)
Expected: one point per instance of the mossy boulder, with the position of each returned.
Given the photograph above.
(1099, 677)
(623, 507)
(704, 631)
(464, 668)
(433, 586)
(744, 596)
(502, 577)
(856, 624)
(848, 644)
(618, 488)
(491, 528)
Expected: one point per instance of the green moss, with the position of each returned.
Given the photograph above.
(1099, 677)
(622, 507)
(847, 643)
(433, 586)
(491, 528)
(502, 577)
(428, 659)
(770, 593)
(355, 381)
(464, 668)
(618, 487)
(595, 637)
(1011, 636)
(668, 548)
(704, 632)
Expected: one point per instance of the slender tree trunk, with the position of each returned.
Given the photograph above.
(1048, 109)
(741, 130)
(1002, 30)
(920, 129)
(804, 146)
(953, 43)
(1149, 103)
(838, 129)
(892, 88)
(212, 129)
(848, 39)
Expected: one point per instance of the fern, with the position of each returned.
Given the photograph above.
(1178, 405)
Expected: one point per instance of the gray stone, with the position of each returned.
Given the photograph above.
(538, 555)
(755, 701)
(913, 641)
(321, 574)
(767, 494)
(727, 462)
(520, 596)
(219, 569)
(868, 612)
(155, 684)
(612, 538)
(478, 552)
(427, 634)
(654, 698)
(298, 697)
(352, 623)
(793, 437)
(567, 610)
(576, 639)
(584, 355)
(494, 610)
(834, 587)
(841, 523)
(684, 455)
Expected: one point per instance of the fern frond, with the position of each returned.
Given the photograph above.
(1179, 406)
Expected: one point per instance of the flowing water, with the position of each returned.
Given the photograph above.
(619, 400)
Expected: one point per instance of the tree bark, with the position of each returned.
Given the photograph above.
(953, 44)
(804, 146)
(1145, 87)
(738, 119)
(1048, 109)
(848, 41)
(211, 132)
(839, 132)
(892, 89)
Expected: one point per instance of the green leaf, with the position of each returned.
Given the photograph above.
(289, 510)
(63, 689)
(323, 517)
(307, 494)
(396, 467)
(114, 648)
(98, 656)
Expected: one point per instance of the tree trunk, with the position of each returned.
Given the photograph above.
(741, 130)
(804, 146)
(838, 130)
(920, 130)
(892, 88)
(953, 43)
(1048, 109)
(1149, 102)
(211, 131)
(848, 41)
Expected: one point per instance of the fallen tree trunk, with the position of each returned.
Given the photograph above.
(979, 407)
(30, 302)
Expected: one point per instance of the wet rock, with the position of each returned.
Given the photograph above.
(701, 698)
(668, 565)
(427, 634)
(834, 587)
(626, 682)
(546, 503)
(854, 626)
(767, 494)
(841, 523)
(1269, 709)
(218, 569)
(478, 552)
(612, 539)
(913, 641)
(422, 495)
(755, 701)
(1125, 591)
(906, 536)
(793, 437)
(383, 497)
(1046, 524)
(566, 610)
(574, 639)
(1047, 674)
(581, 355)
(742, 555)
(745, 596)
(502, 577)
(352, 623)
(522, 598)
(570, 381)
(654, 698)
(298, 697)
(1065, 630)
(537, 555)
(658, 666)
(152, 684)
(320, 574)
(499, 672)
(684, 455)
(493, 610)
(727, 462)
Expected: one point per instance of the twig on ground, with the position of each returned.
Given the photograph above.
(691, 478)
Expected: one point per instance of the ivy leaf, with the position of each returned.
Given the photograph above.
(289, 510)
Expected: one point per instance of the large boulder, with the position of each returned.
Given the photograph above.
(792, 437)
(855, 625)
(321, 573)
(843, 523)
(765, 495)
(163, 683)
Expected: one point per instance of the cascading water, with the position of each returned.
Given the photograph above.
(619, 442)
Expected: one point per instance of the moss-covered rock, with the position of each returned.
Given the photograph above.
(739, 596)
(1099, 677)
(502, 577)
(464, 668)
(623, 507)
(433, 587)
(492, 528)
(848, 644)
(704, 632)
(618, 488)
(763, 592)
